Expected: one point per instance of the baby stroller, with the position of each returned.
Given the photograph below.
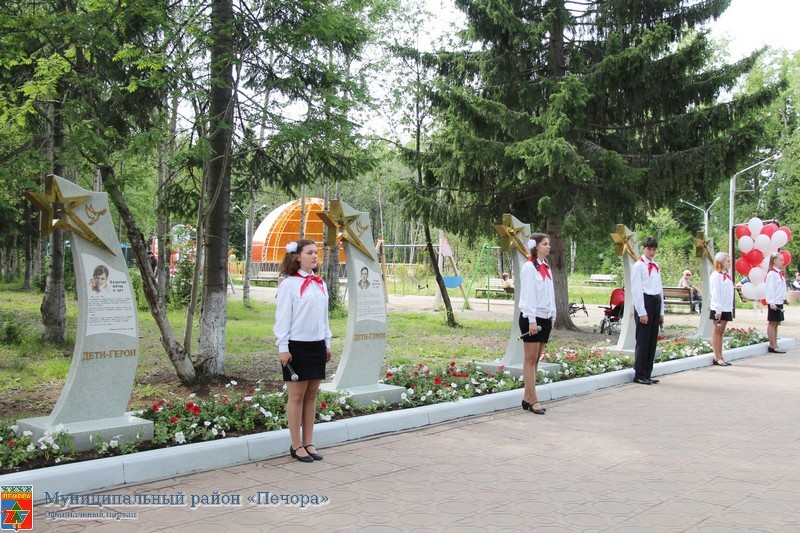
(613, 313)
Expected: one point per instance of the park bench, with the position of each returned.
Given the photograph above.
(265, 278)
(495, 287)
(678, 296)
(602, 279)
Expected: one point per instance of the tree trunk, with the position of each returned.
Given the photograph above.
(330, 256)
(54, 306)
(450, 317)
(558, 262)
(213, 316)
(248, 249)
(177, 355)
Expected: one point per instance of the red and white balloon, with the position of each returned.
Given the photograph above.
(756, 242)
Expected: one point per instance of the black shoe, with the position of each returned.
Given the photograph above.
(642, 381)
(775, 350)
(314, 455)
(529, 407)
(654, 381)
(719, 362)
(303, 458)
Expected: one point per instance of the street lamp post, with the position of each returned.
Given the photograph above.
(733, 192)
(705, 212)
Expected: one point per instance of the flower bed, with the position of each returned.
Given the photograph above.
(179, 421)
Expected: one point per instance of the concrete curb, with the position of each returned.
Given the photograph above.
(153, 465)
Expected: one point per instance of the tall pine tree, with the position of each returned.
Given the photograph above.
(571, 114)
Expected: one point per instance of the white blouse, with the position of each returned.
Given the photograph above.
(537, 296)
(721, 292)
(301, 318)
(775, 287)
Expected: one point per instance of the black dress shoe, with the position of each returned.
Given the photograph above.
(654, 381)
(775, 350)
(643, 381)
(314, 455)
(302, 458)
(529, 407)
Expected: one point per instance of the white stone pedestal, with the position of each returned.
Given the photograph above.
(124, 429)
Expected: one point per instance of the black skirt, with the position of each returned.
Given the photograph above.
(308, 360)
(544, 333)
(775, 315)
(726, 316)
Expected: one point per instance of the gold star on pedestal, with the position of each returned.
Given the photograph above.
(512, 235)
(703, 247)
(335, 218)
(58, 211)
(624, 239)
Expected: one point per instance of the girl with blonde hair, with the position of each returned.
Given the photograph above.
(721, 304)
(775, 296)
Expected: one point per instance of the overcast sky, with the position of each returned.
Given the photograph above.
(750, 24)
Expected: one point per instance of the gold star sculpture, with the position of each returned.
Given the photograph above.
(703, 247)
(58, 211)
(624, 240)
(335, 218)
(512, 235)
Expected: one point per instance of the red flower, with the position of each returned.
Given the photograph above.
(437, 380)
(389, 374)
(237, 406)
(501, 368)
(251, 391)
(174, 419)
(426, 372)
(420, 365)
(11, 443)
(323, 405)
(416, 373)
(489, 375)
(224, 400)
(452, 363)
(156, 407)
(193, 408)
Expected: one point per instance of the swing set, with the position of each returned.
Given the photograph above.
(487, 265)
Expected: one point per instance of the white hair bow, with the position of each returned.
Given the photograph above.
(531, 244)
(291, 247)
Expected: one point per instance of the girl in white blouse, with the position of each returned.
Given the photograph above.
(721, 304)
(303, 337)
(537, 306)
(775, 295)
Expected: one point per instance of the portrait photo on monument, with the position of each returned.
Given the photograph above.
(363, 282)
(98, 282)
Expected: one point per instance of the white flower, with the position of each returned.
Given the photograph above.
(454, 385)
(192, 395)
(113, 444)
(207, 423)
(56, 446)
(501, 383)
(404, 396)
(30, 448)
(233, 382)
(27, 433)
(214, 431)
(179, 437)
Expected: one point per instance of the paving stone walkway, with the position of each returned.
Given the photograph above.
(714, 449)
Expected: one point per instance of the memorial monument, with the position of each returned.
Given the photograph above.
(100, 380)
(704, 249)
(365, 339)
(626, 245)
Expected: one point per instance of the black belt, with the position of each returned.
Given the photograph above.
(655, 296)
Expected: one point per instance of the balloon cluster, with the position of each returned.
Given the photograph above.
(756, 242)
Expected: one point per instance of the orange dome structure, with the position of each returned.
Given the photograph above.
(282, 226)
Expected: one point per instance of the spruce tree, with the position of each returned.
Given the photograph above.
(577, 114)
